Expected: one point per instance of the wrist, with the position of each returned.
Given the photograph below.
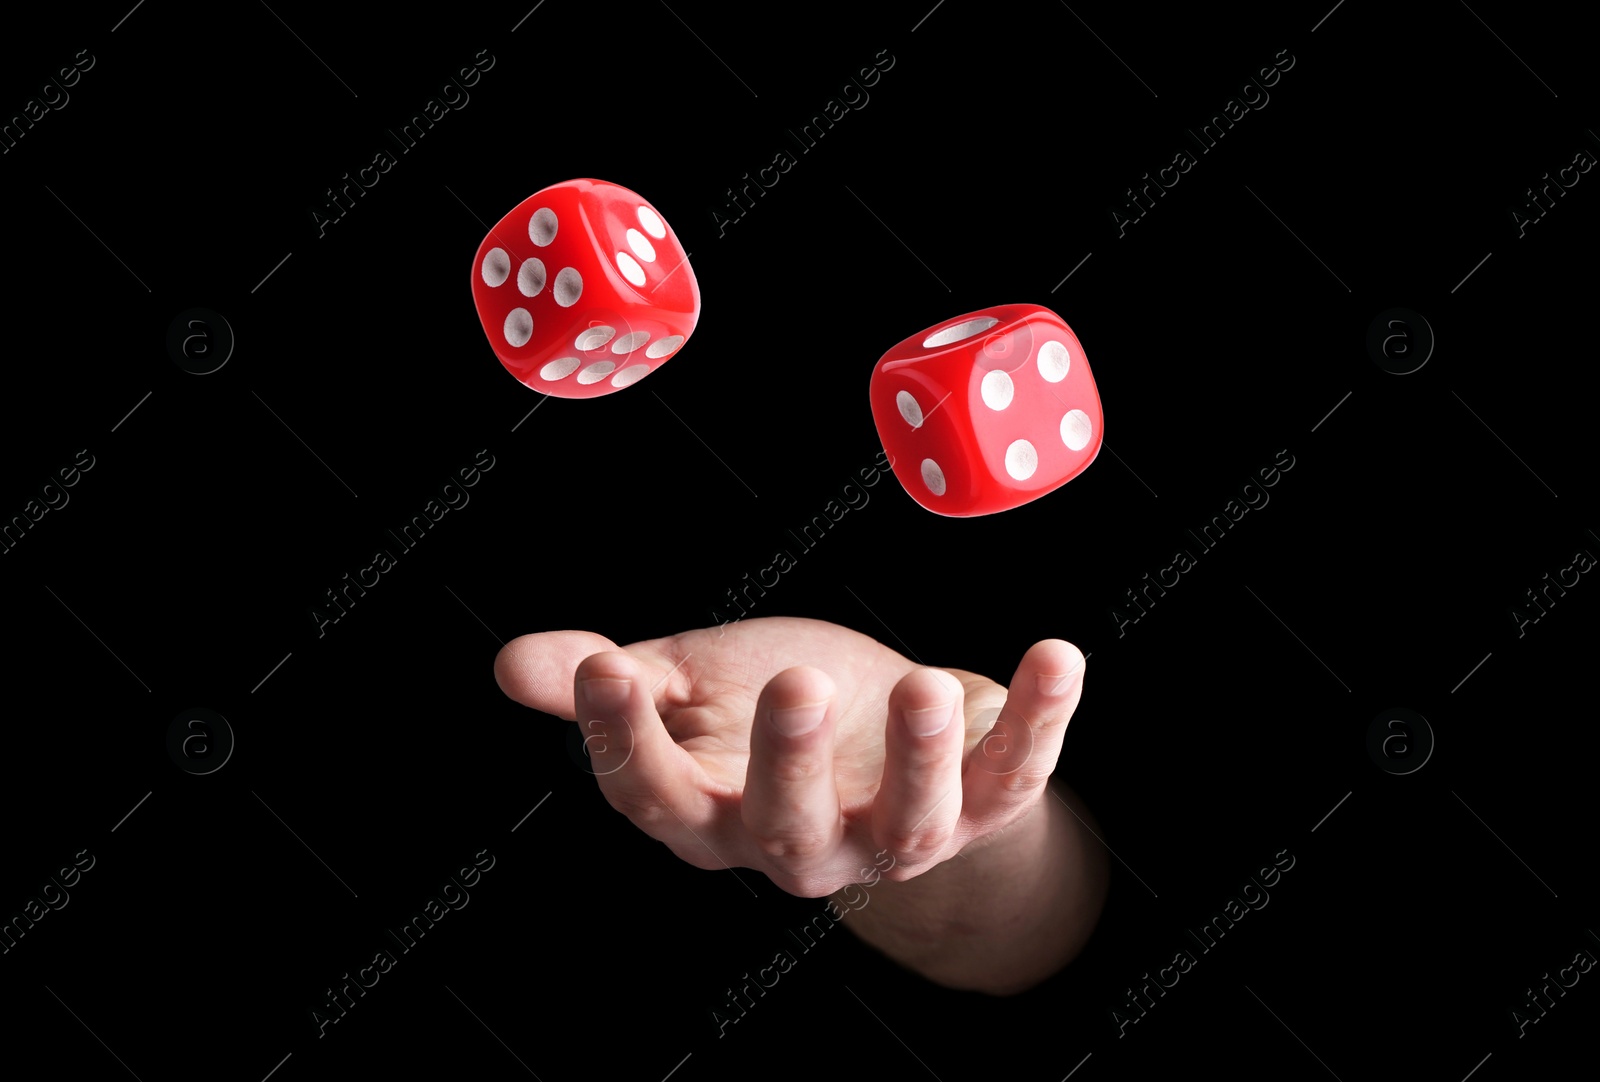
(1008, 911)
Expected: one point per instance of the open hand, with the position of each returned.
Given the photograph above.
(801, 748)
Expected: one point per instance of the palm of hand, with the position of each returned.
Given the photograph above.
(692, 756)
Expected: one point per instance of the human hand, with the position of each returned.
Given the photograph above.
(800, 748)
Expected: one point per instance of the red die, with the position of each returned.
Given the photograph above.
(988, 411)
(583, 290)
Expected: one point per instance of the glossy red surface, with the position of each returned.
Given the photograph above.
(583, 289)
(987, 411)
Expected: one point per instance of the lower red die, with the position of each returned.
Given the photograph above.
(987, 411)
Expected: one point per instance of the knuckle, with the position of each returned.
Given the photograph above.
(643, 810)
(1025, 779)
(792, 849)
(798, 769)
(913, 846)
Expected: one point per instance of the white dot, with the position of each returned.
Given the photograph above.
(496, 267)
(910, 409)
(997, 390)
(630, 342)
(641, 247)
(933, 476)
(959, 331)
(1021, 460)
(542, 226)
(560, 368)
(630, 375)
(1054, 360)
(569, 287)
(630, 268)
(595, 337)
(519, 327)
(596, 372)
(652, 223)
(663, 346)
(530, 279)
(1076, 430)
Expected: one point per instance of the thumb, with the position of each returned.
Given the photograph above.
(537, 670)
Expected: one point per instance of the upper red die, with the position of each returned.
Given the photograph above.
(987, 411)
(583, 289)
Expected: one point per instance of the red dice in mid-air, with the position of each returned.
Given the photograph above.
(987, 411)
(584, 290)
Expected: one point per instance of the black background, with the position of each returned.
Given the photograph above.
(374, 759)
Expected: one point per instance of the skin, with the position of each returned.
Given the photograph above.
(997, 876)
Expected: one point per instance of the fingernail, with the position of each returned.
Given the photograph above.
(798, 720)
(606, 693)
(930, 721)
